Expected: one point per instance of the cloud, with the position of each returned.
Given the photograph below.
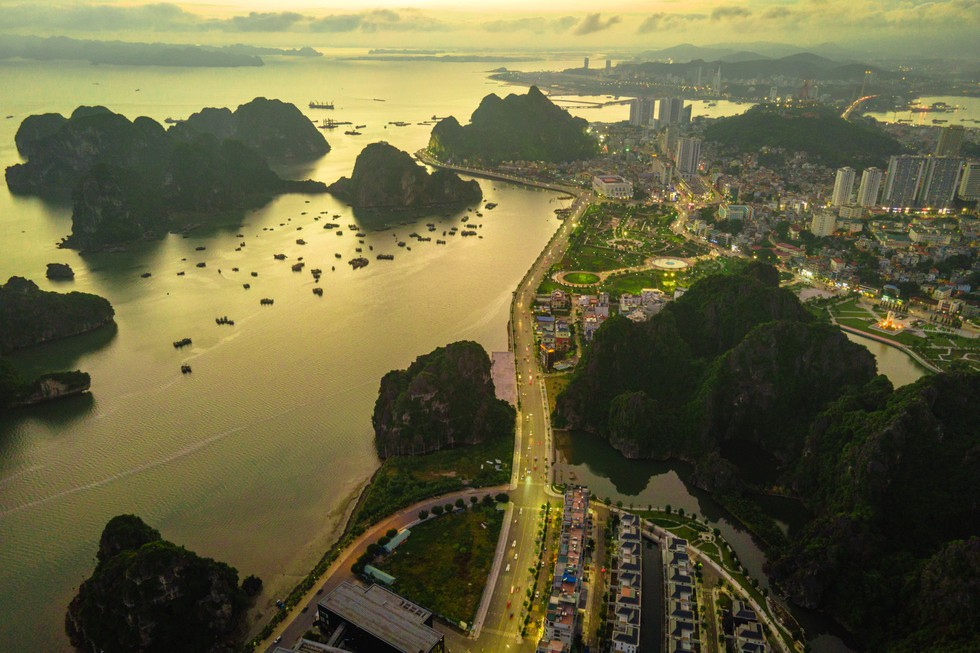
(536, 24)
(262, 22)
(98, 18)
(725, 12)
(379, 20)
(665, 21)
(593, 23)
(778, 13)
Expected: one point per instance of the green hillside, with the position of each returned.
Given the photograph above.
(819, 131)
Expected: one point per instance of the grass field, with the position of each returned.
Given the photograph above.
(584, 278)
(459, 546)
(598, 259)
(555, 384)
(404, 480)
(634, 282)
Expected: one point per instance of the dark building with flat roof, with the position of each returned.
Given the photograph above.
(377, 619)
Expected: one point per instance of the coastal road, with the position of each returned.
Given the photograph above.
(532, 464)
(292, 629)
(501, 625)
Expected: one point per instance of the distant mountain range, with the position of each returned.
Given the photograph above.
(744, 64)
(745, 52)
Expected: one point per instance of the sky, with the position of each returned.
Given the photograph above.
(921, 27)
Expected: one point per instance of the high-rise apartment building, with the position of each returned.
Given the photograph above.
(843, 187)
(950, 140)
(903, 181)
(641, 111)
(688, 156)
(672, 111)
(970, 182)
(824, 223)
(870, 185)
(585, 64)
(942, 173)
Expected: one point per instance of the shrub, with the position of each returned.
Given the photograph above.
(437, 510)
(423, 514)
(503, 498)
(252, 585)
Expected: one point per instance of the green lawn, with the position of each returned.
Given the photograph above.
(555, 384)
(634, 282)
(404, 480)
(444, 564)
(584, 278)
(598, 259)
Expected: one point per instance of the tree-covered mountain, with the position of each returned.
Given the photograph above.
(386, 177)
(736, 358)
(891, 477)
(516, 128)
(817, 130)
(31, 316)
(444, 399)
(148, 594)
(131, 179)
(276, 129)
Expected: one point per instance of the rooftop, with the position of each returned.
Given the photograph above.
(385, 615)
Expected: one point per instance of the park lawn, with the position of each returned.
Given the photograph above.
(444, 564)
(404, 480)
(633, 282)
(582, 278)
(598, 259)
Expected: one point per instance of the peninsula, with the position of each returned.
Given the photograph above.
(386, 177)
(31, 316)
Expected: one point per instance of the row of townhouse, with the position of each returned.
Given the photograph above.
(681, 601)
(627, 589)
(748, 636)
(561, 620)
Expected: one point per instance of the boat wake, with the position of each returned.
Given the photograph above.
(177, 455)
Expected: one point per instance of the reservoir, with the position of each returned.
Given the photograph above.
(254, 458)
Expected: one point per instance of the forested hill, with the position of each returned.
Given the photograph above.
(818, 131)
(526, 127)
(892, 477)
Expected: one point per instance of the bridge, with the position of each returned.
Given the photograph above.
(854, 105)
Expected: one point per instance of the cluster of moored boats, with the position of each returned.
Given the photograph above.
(355, 263)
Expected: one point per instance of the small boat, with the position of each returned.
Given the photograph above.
(300, 241)
(202, 264)
(359, 126)
(246, 286)
(185, 369)
(266, 301)
(224, 320)
(352, 132)
(318, 104)
(318, 292)
(255, 274)
(358, 262)
(183, 342)
(440, 242)
(386, 257)
(279, 257)
(298, 267)
(146, 275)
(491, 206)
(338, 255)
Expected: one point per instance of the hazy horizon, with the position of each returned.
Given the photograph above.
(941, 29)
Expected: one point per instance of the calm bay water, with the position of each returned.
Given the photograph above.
(255, 456)
(967, 113)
